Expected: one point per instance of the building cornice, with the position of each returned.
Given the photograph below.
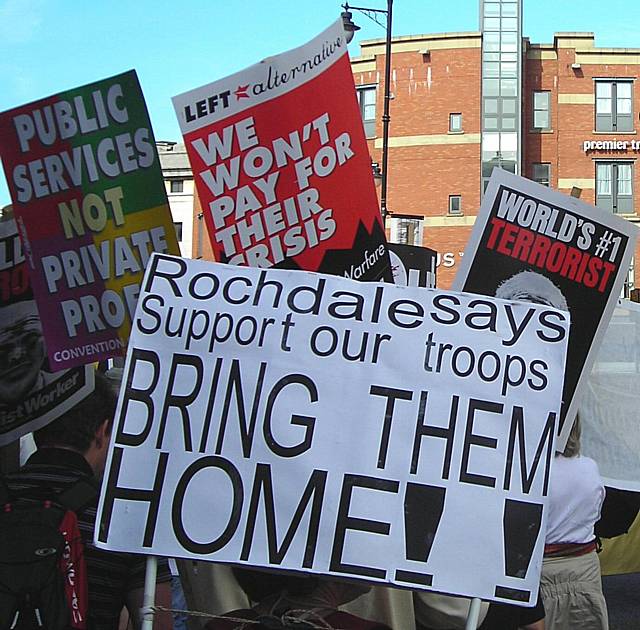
(418, 43)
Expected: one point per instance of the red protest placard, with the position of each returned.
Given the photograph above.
(282, 167)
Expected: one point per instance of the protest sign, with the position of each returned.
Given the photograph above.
(534, 244)
(412, 265)
(31, 394)
(306, 422)
(90, 204)
(610, 408)
(281, 164)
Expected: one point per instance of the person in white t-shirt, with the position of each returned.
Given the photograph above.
(571, 584)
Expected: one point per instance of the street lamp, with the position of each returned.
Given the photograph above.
(351, 28)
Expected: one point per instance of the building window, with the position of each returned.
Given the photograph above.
(176, 186)
(367, 101)
(541, 173)
(542, 110)
(178, 226)
(406, 230)
(614, 106)
(614, 187)
(455, 204)
(455, 123)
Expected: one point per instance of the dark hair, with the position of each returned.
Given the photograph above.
(77, 427)
(260, 584)
(572, 447)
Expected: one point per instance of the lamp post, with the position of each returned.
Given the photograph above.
(350, 27)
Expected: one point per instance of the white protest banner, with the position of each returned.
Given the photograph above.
(610, 408)
(535, 244)
(298, 421)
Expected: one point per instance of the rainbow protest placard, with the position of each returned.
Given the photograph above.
(90, 203)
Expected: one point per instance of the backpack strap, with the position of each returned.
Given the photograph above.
(80, 495)
(5, 495)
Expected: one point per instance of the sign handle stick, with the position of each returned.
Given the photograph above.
(474, 614)
(149, 599)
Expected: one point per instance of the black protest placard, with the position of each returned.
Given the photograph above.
(412, 265)
(534, 244)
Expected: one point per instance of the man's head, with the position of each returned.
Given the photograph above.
(22, 350)
(86, 427)
(529, 286)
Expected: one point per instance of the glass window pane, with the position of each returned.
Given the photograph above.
(490, 105)
(492, 9)
(509, 42)
(541, 173)
(490, 123)
(491, 69)
(370, 128)
(541, 120)
(603, 105)
(508, 87)
(623, 106)
(509, 56)
(624, 89)
(487, 168)
(491, 56)
(509, 145)
(492, 24)
(624, 179)
(490, 144)
(508, 124)
(369, 112)
(541, 100)
(455, 122)
(509, 10)
(509, 69)
(603, 177)
(603, 89)
(509, 24)
(491, 41)
(490, 87)
(509, 106)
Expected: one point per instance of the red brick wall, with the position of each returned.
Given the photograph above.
(426, 89)
(572, 124)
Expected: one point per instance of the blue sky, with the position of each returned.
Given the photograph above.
(47, 46)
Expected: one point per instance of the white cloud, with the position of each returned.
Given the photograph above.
(20, 20)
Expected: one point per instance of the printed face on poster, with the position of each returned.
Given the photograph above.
(412, 265)
(31, 394)
(90, 204)
(535, 244)
(311, 423)
(281, 164)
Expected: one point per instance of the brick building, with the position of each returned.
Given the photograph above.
(564, 114)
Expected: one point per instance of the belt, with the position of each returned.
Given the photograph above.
(562, 550)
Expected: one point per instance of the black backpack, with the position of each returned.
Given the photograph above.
(43, 580)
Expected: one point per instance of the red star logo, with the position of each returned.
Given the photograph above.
(241, 92)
